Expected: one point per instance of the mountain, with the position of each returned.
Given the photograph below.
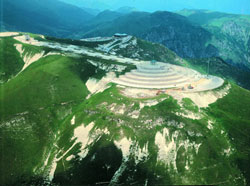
(219, 34)
(101, 19)
(91, 11)
(169, 29)
(92, 4)
(126, 9)
(45, 17)
(63, 122)
(231, 34)
(104, 17)
(229, 6)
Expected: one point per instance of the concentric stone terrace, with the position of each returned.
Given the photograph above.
(159, 75)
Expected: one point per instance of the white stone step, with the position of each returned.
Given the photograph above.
(155, 78)
(153, 71)
(155, 86)
(151, 67)
(148, 82)
(135, 72)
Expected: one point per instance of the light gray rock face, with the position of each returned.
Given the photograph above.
(232, 41)
(186, 41)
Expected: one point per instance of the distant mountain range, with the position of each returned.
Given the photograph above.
(45, 17)
(126, 9)
(230, 6)
(170, 29)
(103, 17)
(189, 33)
(90, 4)
(230, 34)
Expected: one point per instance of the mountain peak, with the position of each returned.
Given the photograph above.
(126, 9)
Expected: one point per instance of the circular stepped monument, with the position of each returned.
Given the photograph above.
(158, 76)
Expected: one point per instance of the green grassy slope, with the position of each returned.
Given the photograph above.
(10, 60)
(32, 106)
(232, 113)
(41, 80)
(210, 165)
(36, 130)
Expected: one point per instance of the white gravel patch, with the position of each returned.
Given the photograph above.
(150, 103)
(70, 157)
(190, 115)
(82, 135)
(201, 99)
(210, 125)
(166, 149)
(19, 48)
(108, 68)
(121, 109)
(115, 42)
(135, 114)
(31, 41)
(124, 144)
(96, 86)
(168, 146)
(73, 120)
(8, 34)
(52, 169)
(137, 92)
(141, 153)
(53, 53)
(28, 58)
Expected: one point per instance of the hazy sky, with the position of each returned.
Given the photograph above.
(232, 6)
